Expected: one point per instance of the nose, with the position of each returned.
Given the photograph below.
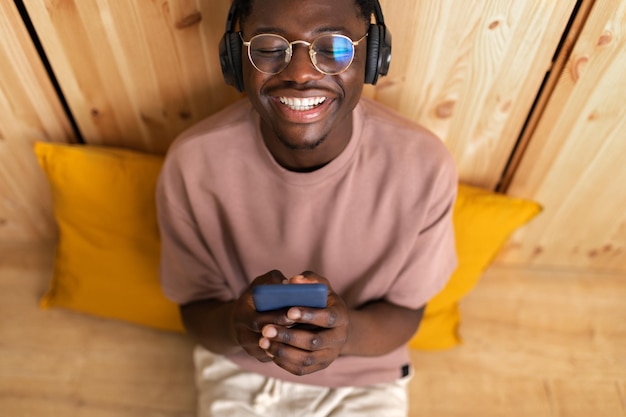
(300, 68)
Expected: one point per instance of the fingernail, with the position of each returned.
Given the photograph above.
(264, 343)
(294, 314)
(269, 331)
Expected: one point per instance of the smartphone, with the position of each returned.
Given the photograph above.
(276, 296)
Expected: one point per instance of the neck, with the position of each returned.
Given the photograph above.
(311, 157)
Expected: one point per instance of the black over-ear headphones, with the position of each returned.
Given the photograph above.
(377, 61)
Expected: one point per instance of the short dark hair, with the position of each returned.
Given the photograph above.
(244, 8)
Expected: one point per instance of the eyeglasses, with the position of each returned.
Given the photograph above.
(330, 54)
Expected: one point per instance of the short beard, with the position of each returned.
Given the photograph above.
(307, 147)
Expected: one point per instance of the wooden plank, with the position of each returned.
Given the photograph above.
(535, 343)
(560, 60)
(574, 165)
(580, 399)
(459, 395)
(135, 73)
(471, 74)
(29, 111)
(59, 363)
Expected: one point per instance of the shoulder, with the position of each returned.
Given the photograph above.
(405, 144)
(211, 148)
(220, 133)
(235, 116)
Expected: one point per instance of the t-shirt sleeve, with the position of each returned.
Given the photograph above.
(188, 271)
(432, 258)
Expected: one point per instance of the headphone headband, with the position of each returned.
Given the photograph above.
(231, 18)
(378, 13)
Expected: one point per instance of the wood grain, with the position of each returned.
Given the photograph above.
(560, 60)
(471, 74)
(29, 111)
(59, 363)
(535, 343)
(574, 165)
(136, 73)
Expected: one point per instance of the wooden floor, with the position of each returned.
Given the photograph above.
(536, 343)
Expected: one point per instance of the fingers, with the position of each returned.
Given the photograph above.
(305, 339)
(303, 352)
(302, 362)
(308, 277)
(271, 277)
(304, 336)
(328, 317)
(251, 346)
(248, 322)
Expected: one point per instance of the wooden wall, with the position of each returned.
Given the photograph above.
(471, 73)
(575, 164)
(135, 73)
(29, 111)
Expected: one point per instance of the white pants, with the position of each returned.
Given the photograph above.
(225, 390)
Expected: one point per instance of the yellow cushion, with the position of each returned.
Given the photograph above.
(483, 222)
(108, 252)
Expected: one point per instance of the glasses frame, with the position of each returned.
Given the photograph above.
(312, 53)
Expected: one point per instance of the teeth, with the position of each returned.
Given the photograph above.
(302, 104)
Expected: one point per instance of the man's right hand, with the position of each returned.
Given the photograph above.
(248, 323)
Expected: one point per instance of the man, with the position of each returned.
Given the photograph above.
(304, 181)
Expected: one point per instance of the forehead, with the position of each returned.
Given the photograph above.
(304, 17)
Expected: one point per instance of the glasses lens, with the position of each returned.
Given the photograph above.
(332, 54)
(268, 53)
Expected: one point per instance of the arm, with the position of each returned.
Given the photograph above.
(380, 327)
(210, 323)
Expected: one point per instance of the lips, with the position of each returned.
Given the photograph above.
(302, 104)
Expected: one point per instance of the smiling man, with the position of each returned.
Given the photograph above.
(304, 181)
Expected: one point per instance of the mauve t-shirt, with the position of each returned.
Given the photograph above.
(376, 222)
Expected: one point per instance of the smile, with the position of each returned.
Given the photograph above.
(302, 104)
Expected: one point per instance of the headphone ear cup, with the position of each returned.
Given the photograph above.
(378, 53)
(373, 50)
(384, 52)
(230, 60)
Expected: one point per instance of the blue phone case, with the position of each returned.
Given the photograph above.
(276, 296)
